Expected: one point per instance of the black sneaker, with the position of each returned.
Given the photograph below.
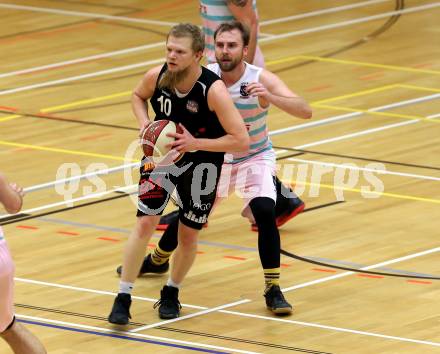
(276, 302)
(169, 305)
(149, 267)
(121, 309)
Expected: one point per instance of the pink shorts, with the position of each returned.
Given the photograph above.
(249, 179)
(6, 286)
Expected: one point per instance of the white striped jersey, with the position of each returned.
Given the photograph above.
(213, 13)
(253, 114)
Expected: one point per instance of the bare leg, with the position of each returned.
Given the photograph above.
(22, 341)
(136, 245)
(184, 254)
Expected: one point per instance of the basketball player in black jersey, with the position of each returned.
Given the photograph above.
(190, 95)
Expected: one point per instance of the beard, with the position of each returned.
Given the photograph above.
(230, 65)
(170, 79)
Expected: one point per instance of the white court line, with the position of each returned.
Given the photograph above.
(84, 59)
(86, 14)
(80, 177)
(352, 135)
(348, 167)
(200, 313)
(130, 50)
(94, 291)
(353, 115)
(71, 201)
(84, 76)
(337, 329)
(321, 12)
(263, 40)
(377, 265)
(434, 116)
(124, 333)
(351, 22)
(303, 285)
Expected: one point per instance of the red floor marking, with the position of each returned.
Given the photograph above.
(370, 276)
(68, 233)
(422, 65)
(27, 227)
(373, 76)
(200, 252)
(237, 258)
(324, 270)
(419, 281)
(94, 137)
(319, 88)
(284, 265)
(108, 239)
(151, 245)
(10, 109)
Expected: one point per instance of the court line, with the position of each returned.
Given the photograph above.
(306, 284)
(378, 194)
(263, 40)
(357, 94)
(123, 51)
(111, 332)
(181, 318)
(329, 262)
(381, 172)
(333, 328)
(342, 117)
(86, 14)
(321, 12)
(71, 201)
(373, 266)
(381, 114)
(83, 76)
(351, 22)
(64, 151)
(360, 63)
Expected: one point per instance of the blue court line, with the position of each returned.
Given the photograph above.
(119, 336)
(227, 246)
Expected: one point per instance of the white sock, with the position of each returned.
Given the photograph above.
(125, 287)
(173, 284)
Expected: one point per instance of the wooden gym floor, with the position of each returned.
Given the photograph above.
(361, 265)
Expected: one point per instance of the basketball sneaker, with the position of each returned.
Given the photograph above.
(149, 267)
(121, 309)
(169, 305)
(295, 207)
(276, 302)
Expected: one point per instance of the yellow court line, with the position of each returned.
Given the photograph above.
(4, 119)
(358, 93)
(355, 190)
(366, 111)
(371, 65)
(70, 152)
(420, 88)
(284, 60)
(84, 102)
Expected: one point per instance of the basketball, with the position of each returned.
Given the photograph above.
(155, 139)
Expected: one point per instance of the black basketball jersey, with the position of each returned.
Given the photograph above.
(192, 111)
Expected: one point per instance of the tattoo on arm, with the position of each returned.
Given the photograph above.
(240, 3)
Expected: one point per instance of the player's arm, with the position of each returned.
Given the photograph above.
(11, 195)
(271, 89)
(143, 91)
(236, 137)
(243, 12)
